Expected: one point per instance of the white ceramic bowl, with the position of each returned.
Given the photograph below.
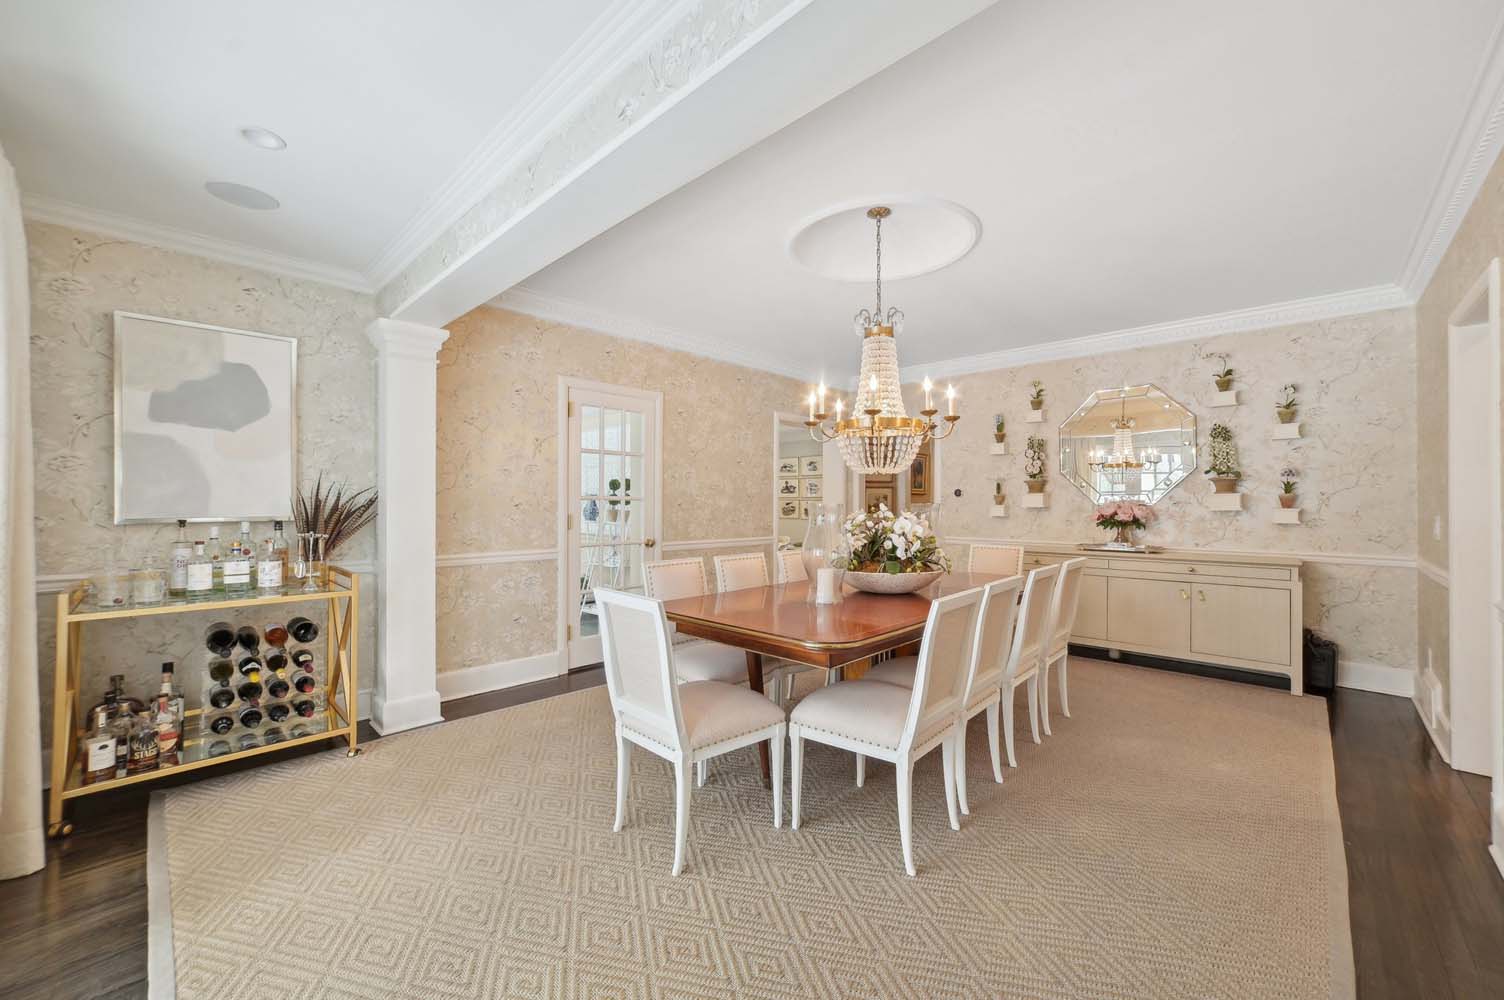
(892, 583)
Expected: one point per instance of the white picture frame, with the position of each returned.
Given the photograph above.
(812, 488)
(206, 424)
(812, 465)
(787, 467)
(791, 509)
(787, 488)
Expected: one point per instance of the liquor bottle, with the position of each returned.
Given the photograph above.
(168, 718)
(237, 563)
(98, 754)
(123, 701)
(248, 638)
(122, 725)
(303, 629)
(200, 574)
(279, 546)
(269, 568)
(217, 557)
(182, 551)
(145, 754)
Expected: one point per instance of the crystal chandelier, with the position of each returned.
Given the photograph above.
(879, 438)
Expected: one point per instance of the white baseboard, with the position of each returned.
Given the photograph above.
(1497, 852)
(1376, 677)
(396, 715)
(495, 676)
(1440, 730)
(362, 705)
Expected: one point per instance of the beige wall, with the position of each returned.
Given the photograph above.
(497, 455)
(77, 281)
(1356, 379)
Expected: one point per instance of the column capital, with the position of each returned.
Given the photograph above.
(400, 339)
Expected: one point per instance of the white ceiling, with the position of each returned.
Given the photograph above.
(131, 107)
(1131, 164)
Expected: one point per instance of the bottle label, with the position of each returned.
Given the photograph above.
(237, 571)
(180, 557)
(144, 751)
(269, 573)
(201, 576)
(102, 754)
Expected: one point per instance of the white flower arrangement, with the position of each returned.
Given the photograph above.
(884, 542)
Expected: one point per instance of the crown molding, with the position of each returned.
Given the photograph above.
(556, 309)
(1319, 307)
(1475, 147)
(95, 220)
(622, 29)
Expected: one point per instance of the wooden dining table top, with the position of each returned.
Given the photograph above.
(781, 621)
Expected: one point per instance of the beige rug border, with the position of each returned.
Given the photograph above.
(1344, 972)
(161, 970)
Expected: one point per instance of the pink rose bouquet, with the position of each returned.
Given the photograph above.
(1124, 514)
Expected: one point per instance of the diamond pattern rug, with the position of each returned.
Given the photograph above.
(1177, 838)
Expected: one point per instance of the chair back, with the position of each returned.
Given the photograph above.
(788, 566)
(1063, 607)
(639, 662)
(672, 579)
(944, 664)
(1007, 560)
(994, 637)
(1033, 620)
(739, 572)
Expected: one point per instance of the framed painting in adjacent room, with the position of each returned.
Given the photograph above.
(921, 483)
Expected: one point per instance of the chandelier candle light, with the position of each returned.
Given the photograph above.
(879, 437)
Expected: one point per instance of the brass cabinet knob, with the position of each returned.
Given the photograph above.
(649, 543)
(1184, 596)
(1201, 596)
(1190, 569)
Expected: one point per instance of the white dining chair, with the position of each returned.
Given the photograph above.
(742, 572)
(1063, 604)
(788, 566)
(684, 722)
(993, 644)
(1007, 560)
(1027, 653)
(895, 724)
(697, 659)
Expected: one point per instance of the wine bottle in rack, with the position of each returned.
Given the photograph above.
(305, 707)
(303, 629)
(248, 639)
(249, 741)
(278, 711)
(249, 691)
(276, 660)
(219, 638)
(305, 683)
(221, 723)
(302, 660)
(221, 696)
(276, 687)
(251, 667)
(221, 670)
(219, 748)
(249, 716)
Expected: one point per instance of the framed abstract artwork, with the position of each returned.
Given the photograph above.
(206, 424)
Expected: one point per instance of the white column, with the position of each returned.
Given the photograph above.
(407, 694)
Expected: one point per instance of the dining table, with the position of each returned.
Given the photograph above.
(783, 621)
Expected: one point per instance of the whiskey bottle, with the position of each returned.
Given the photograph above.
(144, 753)
(237, 563)
(303, 629)
(200, 574)
(268, 568)
(167, 716)
(216, 556)
(248, 638)
(98, 752)
(182, 551)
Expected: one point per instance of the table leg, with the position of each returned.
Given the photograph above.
(754, 681)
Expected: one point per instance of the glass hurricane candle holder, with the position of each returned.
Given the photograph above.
(825, 553)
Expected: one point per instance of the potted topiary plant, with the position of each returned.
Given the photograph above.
(613, 502)
(1223, 466)
(1223, 376)
(1287, 495)
(1036, 398)
(1285, 408)
(1034, 464)
(998, 496)
(998, 433)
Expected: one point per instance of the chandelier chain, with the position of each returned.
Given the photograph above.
(879, 314)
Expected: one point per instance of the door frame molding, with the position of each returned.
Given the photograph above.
(563, 504)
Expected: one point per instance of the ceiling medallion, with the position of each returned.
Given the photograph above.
(879, 438)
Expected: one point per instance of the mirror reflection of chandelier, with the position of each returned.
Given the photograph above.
(1123, 461)
(879, 438)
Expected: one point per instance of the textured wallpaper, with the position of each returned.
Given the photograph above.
(77, 281)
(1356, 380)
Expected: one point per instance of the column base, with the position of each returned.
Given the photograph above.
(395, 715)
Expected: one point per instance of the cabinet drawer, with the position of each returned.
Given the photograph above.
(1250, 623)
(1272, 573)
(1145, 612)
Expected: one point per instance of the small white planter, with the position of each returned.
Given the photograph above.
(998, 448)
(1034, 417)
(1285, 432)
(1224, 501)
(1227, 398)
(1035, 500)
(999, 510)
(1287, 515)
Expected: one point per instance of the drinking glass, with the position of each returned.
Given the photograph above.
(311, 547)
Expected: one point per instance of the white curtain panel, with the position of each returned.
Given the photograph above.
(21, 845)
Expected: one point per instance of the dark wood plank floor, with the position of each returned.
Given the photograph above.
(1427, 902)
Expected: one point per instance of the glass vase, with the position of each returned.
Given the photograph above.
(311, 556)
(825, 552)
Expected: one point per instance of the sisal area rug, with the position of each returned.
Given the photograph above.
(1177, 838)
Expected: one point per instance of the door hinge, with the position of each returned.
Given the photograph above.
(569, 408)
(569, 631)
(568, 522)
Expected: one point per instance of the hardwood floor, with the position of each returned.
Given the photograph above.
(1427, 903)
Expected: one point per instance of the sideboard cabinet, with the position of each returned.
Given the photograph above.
(1238, 610)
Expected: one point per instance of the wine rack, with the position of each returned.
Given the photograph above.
(333, 693)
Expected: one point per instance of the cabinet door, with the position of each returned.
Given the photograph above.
(1091, 613)
(1153, 613)
(1250, 623)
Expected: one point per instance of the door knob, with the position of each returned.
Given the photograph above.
(649, 543)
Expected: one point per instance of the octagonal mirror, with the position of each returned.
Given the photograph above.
(1133, 443)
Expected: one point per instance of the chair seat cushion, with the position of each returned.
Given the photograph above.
(710, 661)
(867, 711)
(715, 712)
(898, 671)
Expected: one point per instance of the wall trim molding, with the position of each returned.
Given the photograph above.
(1318, 307)
(486, 677)
(1379, 678)
(1443, 726)
(1436, 574)
(105, 223)
(1474, 148)
(717, 543)
(557, 309)
(496, 558)
(1328, 558)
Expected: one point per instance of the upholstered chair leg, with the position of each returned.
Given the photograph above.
(702, 770)
(1007, 711)
(788, 687)
(775, 753)
(861, 769)
(960, 754)
(681, 811)
(796, 762)
(997, 762)
(905, 769)
(1044, 698)
(623, 777)
(1065, 698)
(1034, 707)
(948, 766)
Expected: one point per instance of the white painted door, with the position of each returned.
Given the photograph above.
(611, 504)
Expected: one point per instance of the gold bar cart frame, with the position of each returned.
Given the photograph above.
(340, 592)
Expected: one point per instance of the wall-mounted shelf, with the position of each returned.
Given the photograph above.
(1034, 500)
(1034, 417)
(1228, 397)
(1287, 515)
(998, 448)
(1285, 432)
(999, 510)
(1225, 501)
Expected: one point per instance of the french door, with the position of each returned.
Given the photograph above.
(610, 503)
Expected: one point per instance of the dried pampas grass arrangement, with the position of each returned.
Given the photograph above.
(333, 511)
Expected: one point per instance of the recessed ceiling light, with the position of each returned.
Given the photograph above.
(241, 196)
(263, 138)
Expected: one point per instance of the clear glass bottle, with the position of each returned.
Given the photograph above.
(97, 754)
(182, 551)
(167, 716)
(269, 568)
(122, 725)
(237, 563)
(216, 556)
(279, 546)
(201, 570)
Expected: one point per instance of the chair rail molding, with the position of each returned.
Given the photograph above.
(689, 544)
(497, 558)
(1436, 574)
